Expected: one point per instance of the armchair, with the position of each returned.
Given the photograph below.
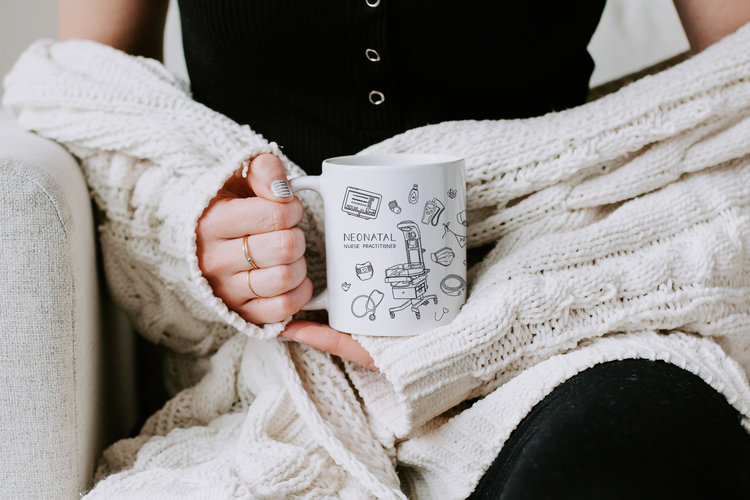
(66, 353)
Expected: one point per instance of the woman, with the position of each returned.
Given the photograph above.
(585, 444)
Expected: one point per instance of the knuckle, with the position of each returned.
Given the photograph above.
(220, 291)
(267, 165)
(288, 244)
(211, 224)
(209, 264)
(284, 275)
(278, 218)
(262, 161)
(300, 235)
(250, 314)
(200, 233)
(298, 239)
(296, 211)
(287, 304)
(306, 290)
(208, 215)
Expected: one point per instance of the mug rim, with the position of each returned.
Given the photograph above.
(399, 160)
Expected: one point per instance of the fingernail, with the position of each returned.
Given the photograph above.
(280, 188)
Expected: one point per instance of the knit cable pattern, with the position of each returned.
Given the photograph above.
(628, 214)
(624, 214)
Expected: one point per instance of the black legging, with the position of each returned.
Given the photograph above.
(632, 429)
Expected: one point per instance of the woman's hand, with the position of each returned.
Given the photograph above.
(263, 207)
(327, 339)
(280, 287)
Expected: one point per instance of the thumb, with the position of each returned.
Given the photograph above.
(267, 178)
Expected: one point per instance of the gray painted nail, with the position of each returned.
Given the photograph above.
(280, 188)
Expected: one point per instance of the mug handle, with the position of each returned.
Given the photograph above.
(311, 182)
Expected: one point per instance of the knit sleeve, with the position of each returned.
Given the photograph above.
(624, 214)
(153, 159)
(672, 260)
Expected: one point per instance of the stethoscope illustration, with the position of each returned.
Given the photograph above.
(372, 302)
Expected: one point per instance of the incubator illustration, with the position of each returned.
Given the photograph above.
(409, 280)
(366, 305)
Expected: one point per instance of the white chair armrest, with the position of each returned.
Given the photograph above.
(53, 352)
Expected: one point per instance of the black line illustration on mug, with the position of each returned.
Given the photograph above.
(361, 203)
(461, 239)
(445, 311)
(367, 304)
(364, 271)
(409, 280)
(393, 205)
(444, 256)
(461, 218)
(453, 285)
(452, 193)
(345, 286)
(414, 194)
(433, 209)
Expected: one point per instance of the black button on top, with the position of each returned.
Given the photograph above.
(372, 55)
(376, 97)
(379, 108)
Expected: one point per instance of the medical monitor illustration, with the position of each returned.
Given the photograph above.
(361, 203)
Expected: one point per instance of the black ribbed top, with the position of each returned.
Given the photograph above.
(300, 73)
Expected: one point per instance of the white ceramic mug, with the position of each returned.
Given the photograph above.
(395, 242)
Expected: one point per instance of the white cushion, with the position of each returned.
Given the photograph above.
(53, 355)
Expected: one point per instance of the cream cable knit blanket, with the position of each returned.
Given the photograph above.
(629, 214)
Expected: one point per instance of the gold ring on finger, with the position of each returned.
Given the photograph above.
(248, 257)
(251, 286)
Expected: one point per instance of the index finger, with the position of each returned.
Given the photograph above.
(267, 178)
(235, 217)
